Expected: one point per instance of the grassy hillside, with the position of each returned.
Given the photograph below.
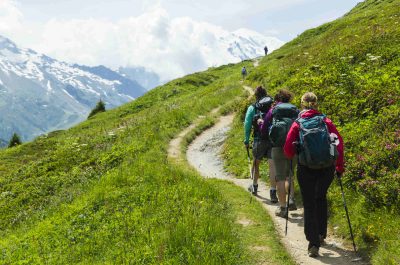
(353, 65)
(104, 191)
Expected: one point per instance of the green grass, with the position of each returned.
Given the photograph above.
(105, 192)
(353, 66)
(254, 226)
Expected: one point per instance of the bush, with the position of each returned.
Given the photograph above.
(14, 141)
(100, 107)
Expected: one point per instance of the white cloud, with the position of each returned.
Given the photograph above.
(10, 16)
(171, 47)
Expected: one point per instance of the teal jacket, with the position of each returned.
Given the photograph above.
(248, 123)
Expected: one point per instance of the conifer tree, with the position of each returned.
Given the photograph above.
(14, 141)
(100, 107)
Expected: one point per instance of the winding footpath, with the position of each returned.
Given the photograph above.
(203, 154)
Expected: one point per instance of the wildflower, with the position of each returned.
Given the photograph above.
(390, 146)
(360, 158)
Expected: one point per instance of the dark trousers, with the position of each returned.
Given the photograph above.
(314, 184)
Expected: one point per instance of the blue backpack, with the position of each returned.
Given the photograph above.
(316, 150)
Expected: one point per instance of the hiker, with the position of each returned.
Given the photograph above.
(277, 123)
(317, 164)
(244, 72)
(266, 50)
(261, 144)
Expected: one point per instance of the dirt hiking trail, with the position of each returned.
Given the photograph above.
(203, 154)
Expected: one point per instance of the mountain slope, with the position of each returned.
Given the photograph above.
(39, 94)
(353, 65)
(101, 192)
(105, 192)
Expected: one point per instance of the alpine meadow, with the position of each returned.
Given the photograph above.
(106, 192)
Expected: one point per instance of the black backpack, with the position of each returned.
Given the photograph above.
(283, 116)
(261, 107)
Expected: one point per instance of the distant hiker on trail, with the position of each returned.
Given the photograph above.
(261, 144)
(277, 123)
(266, 50)
(244, 72)
(320, 154)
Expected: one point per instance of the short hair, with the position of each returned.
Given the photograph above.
(260, 92)
(283, 95)
(309, 100)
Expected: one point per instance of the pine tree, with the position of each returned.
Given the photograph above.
(14, 141)
(100, 107)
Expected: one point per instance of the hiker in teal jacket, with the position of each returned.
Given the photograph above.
(261, 145)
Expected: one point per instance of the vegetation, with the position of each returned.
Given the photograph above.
(104, 191)
(100, 107)
(14, 141)
(353, 66)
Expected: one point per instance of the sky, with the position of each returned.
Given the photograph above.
(105, 31)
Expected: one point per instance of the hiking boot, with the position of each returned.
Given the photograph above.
(272, 195)
(313, 252)
(292, 205)
(253, 189)
(281, 212)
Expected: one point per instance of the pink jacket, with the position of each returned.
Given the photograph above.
(293, 136)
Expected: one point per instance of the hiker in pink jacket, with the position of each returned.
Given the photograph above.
(315, 173)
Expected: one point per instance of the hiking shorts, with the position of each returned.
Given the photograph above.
(261, 149)
(282, 164)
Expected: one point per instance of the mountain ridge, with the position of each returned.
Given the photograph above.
(39, 94)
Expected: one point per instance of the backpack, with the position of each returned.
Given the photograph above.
(316, 149)
(283, 116)
(244, 71)
(261, 107)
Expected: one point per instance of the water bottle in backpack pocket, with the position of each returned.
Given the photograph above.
(283, 115)
(316, 148)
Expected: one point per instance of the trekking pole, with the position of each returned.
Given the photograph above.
(347, 212)
(288, 196)
(250, 164)
(250, 169)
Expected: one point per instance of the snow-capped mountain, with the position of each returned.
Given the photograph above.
(214, 47)
(39, 94)
(246, 44)
(144, 77)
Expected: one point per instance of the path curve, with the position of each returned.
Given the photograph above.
(204, 155)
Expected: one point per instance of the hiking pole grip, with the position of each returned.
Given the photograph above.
(345, 208)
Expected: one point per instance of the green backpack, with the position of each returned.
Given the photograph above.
(316, 148)
(283, 116)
